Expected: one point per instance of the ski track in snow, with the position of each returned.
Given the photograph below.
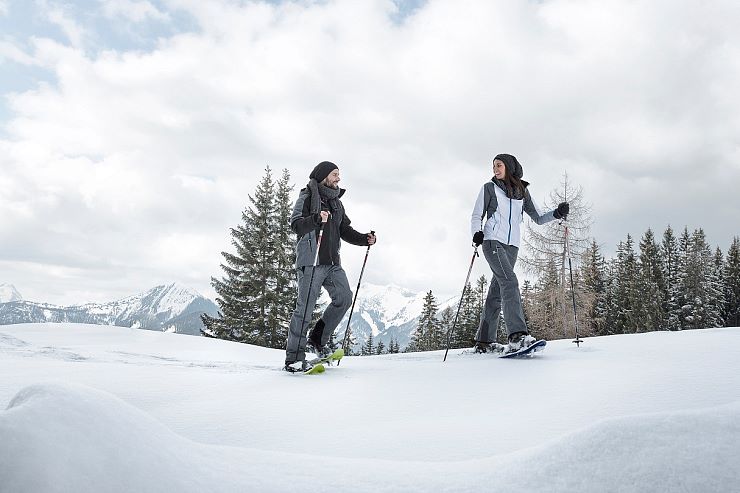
(15, 346)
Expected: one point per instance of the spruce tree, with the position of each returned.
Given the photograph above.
(716, 301)
(671, 267)
(369, 347)
(246, 294)
(684, 277)
(626, 296)
(447, 316)
(469, 317)
(393, 346)
(593, 273)
(428, 334)
(698, 285)
(650, 285)
(285, 289)
(732, 284)
(380, 349)
(612, 309)
(477, 304)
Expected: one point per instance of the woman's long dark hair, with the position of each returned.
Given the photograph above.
(514, 185)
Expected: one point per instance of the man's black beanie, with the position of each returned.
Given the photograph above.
(512, 165)
(322, 170)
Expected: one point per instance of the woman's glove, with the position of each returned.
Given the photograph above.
(562, 211)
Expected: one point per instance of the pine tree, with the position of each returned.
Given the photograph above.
(285, 289)
(469, 318)
(380, 349)
(732, 284)
(393, 346)
(593, 273)
(477, 304)
(369, 347)
(650, 285)
(625, 294)
(683, 276)
(612, 309)
(717, 291)
(699, 310)
(246, 293)
(428, 334)
(447, 317)
(671, 295)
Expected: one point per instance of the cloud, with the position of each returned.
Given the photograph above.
(135, 11)
(130, 154)
(61, 16)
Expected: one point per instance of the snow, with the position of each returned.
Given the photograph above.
(133, 410)
(369, 320)
(8, 293)
(172, 299)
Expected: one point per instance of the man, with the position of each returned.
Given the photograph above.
(319, 206)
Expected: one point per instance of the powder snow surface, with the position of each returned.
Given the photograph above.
(95, 408)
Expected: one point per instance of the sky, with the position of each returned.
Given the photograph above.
(132, 132)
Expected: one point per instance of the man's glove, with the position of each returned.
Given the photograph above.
(562, 211)
(478, 238)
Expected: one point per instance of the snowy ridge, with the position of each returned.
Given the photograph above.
(622, 414)
(172, 307)
(168, 300)
(46, 419)
(8, 293)
(387, 312)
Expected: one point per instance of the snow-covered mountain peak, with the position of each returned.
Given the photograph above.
(165, 307)
(172, 298)
(8, 293)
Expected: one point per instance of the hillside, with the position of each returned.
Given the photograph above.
(195, 414)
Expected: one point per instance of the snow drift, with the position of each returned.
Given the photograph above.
(59, 437)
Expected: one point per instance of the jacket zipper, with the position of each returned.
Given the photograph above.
(509, 240)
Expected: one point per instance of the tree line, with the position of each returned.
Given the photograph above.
(679, 282)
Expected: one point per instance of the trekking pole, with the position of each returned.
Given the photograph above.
(462, 297)
(578, 341)
(310, 283)
(349, 319)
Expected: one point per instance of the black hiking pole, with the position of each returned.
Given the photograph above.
(462, 297)
(310, 283)
(349, 319)
(578, 341)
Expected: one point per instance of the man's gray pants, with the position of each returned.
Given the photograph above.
(334, 280)
(504, 289)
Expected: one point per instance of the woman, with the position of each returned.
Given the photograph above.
(503, 201)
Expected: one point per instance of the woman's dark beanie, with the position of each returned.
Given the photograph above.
(322, 170)
(512, 165)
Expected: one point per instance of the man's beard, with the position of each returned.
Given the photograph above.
(330, 185)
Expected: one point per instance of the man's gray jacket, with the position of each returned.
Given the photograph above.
(307, 226)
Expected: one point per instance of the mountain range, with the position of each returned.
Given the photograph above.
(387, 312)
(170, 308)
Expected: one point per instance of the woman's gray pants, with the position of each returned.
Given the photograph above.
(504, 290)
(334, 280)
